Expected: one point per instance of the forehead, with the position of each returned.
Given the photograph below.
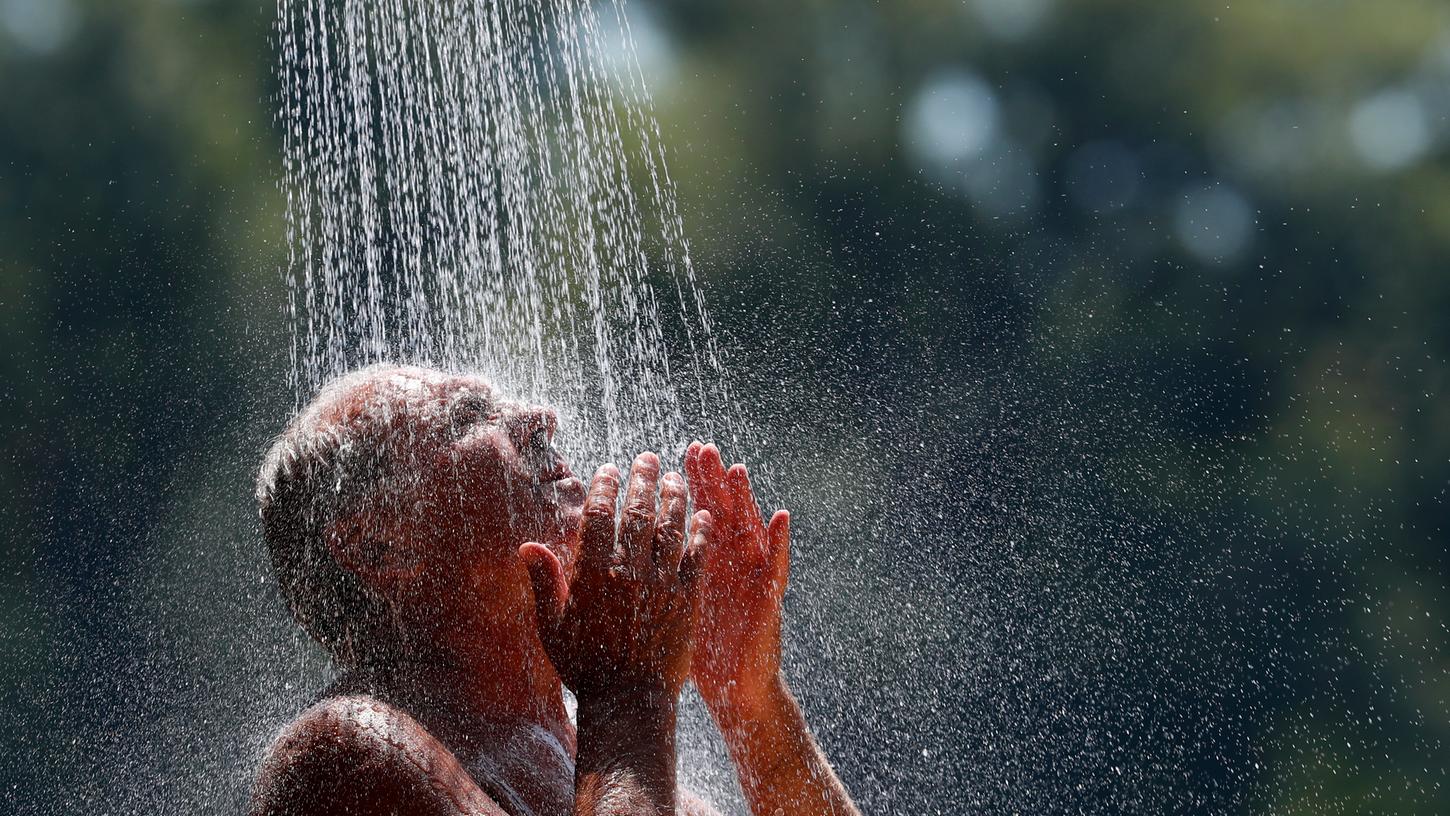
(426, 385)
(390, 396)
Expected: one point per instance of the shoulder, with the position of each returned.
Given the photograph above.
(347, 724)
(360, 755)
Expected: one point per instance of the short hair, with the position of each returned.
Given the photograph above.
(331, 460)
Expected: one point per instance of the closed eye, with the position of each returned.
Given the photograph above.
(469, 411)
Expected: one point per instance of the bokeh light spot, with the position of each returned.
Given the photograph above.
(1390, 130)
(1214, 223)
(645, 41)
(954, 117)
(40, 26)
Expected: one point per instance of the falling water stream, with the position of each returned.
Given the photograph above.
(480, 185)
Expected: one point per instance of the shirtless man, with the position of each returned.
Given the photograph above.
(425, 532)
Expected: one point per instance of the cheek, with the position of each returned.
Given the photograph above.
(481, 463)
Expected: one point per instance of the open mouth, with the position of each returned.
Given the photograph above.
(555, 469)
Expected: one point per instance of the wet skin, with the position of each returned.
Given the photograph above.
(504, 575)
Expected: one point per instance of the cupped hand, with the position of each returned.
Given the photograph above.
(737, 639)
(623, 625)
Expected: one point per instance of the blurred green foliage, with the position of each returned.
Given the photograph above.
(1241, 209)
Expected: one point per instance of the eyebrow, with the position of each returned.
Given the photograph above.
(473, 391)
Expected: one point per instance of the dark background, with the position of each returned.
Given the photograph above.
(1099, 346)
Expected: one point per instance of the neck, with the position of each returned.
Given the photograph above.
(476, 668)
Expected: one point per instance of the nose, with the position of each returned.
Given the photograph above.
(533, 425)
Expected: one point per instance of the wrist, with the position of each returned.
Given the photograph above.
(626, 744)
(767, 737)
(738, 704)
(642, 705)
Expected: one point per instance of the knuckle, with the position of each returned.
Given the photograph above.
(629, 584)
(638, 515)
(669, 531)
(597, 529)
(598, 511)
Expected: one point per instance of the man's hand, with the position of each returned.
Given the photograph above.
(737, 649)
(623, 625)
(737, 640)
(619, 634)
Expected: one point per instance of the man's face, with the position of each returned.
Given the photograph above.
(485, 474)
(514, 485)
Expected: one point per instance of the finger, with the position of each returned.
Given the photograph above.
(546, 576)
(596, 538)
(669, 538)
(712, 479)
(778, 536)
(742, 500)
(636, 528)
(692, 472)
(702, 533)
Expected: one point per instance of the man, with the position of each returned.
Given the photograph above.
(425, 532)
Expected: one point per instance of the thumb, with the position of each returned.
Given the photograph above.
(546, 576)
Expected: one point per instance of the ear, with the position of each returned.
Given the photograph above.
(361, 544)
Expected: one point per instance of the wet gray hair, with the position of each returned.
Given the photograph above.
(333, 459)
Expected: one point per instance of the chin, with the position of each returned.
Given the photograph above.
(565, 496)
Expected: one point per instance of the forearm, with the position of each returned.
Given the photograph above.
(781, 768)
(625, 763)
